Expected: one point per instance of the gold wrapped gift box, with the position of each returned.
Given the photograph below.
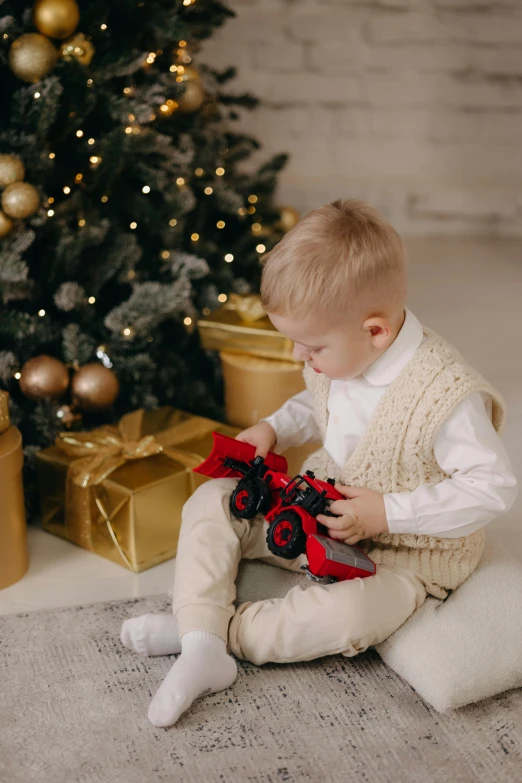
(119, 491)
(242, 326)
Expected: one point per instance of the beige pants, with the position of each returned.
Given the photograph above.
(312, 620)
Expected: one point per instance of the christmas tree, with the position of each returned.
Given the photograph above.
(127, 211)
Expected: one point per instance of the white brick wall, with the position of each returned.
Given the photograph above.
(415, 105)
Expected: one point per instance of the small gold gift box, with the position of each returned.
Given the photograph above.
(119, 491)
(242, 326)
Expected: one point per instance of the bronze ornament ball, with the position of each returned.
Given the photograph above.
(56, 18)
(11, 170)
(44, 376)
(20, 200)
(192, 98)
(94, 387)
(32, 56)
(6, 225)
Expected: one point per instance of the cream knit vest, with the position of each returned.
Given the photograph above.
(396, 455)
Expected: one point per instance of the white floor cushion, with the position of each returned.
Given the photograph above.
(468, 647)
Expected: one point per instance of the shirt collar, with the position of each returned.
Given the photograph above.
(387, 367)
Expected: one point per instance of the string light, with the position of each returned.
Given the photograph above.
(89, 82)
(52, 155)
(229, 258)
(220, 171)
(194, 237)
(251, 210)
(128, 129)
(165, 254)
(17, 375)
(252, 199)
(41, 313)
(91, 141)
(256, 227)
(173, 68)
(242, 211)
(173, 222)
(131, 274)
(127, 331)
(132, 117)
(260, 248)
(222, 298)
(199, 172)
(145, 189)
(220, 224)
(182, 43)
(206, 311)
(78, 177)
(81, 223)
(79, 133)
(103, 27)
(50, 212)
(209, 190)
(127, 90)
(50, 200)
(37, 95)
(91, 299)
(133, 225)
(104, 199)
(95, 159)
(180, 181)
(187, 321)
(67, 190)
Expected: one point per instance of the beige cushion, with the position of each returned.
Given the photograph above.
(468, 647)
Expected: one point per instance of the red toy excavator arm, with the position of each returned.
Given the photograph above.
(236, 449)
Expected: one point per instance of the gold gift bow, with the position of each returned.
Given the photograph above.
(100, 452)
(249, 308)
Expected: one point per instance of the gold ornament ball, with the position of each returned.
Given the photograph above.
(32, 56)
(289, 217)
(56, 18)
(79, 48)
(192, 98)
(6, 225)
(20, 200)
(11, 170)
(94, 387)
(44, 376)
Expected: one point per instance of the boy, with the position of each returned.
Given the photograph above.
(409, 430)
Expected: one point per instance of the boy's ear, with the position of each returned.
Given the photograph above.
(379, 329)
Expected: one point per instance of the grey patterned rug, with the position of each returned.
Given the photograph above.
(74, 710)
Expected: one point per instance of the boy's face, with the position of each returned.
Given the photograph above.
(333, 346)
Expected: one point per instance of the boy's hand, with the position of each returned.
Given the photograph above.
(361, 515)
(261, 435)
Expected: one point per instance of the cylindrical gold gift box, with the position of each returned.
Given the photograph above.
(255, 387)
(14, 559)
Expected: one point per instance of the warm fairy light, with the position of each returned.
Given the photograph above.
(52, 155)
(131, 117)
(182, 43)
(128, 129)
(222, 298)
(104, 199)
(145, 189)
(220, 224)
(187, 2)
(136, 129)
(81, 223)
(41, 313)
(90, 141)
(79, 133)
(209, 190)
(50, 200)
(251, 210)
(127, 90)
(17, 375)
(152, 117)
(180, 181)
(260, 248)
(78, 177)
(194, 237)
(89, 82)
(165, 254)
(229, 258)
(37, 95)
(173, 68)
(95, 159)
(133, 225)
(173, 222)
(67, 190)
(220, 171)
(164, 107)
(127, 331)
(91, 299)
(206, 311)
(150, 59)
(252, 199)
(187, 321)
(199, 172)
(242, 211)
(131, 274)
(256, 227)
(50, 212)
(103, 27)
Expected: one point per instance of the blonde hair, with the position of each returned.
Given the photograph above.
(342, 256)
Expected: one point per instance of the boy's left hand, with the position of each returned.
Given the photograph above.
(361, 515)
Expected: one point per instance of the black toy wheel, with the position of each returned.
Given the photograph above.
(250, 498)
(285, 536)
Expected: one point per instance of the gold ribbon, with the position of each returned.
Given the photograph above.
(98, 453)
(249, 308)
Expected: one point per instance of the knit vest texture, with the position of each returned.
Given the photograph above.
(396, 454)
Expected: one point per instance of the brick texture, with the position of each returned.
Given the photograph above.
(415, 105)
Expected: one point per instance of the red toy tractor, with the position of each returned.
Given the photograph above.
(290, 506)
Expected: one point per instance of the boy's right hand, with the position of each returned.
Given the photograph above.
(262, 436)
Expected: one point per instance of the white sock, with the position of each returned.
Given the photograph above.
(204, 666)
(151, 634)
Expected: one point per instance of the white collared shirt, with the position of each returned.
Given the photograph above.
(466, 447)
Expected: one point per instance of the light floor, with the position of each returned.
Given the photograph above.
(469, 290)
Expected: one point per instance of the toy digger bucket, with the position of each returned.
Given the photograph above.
(225, 447)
